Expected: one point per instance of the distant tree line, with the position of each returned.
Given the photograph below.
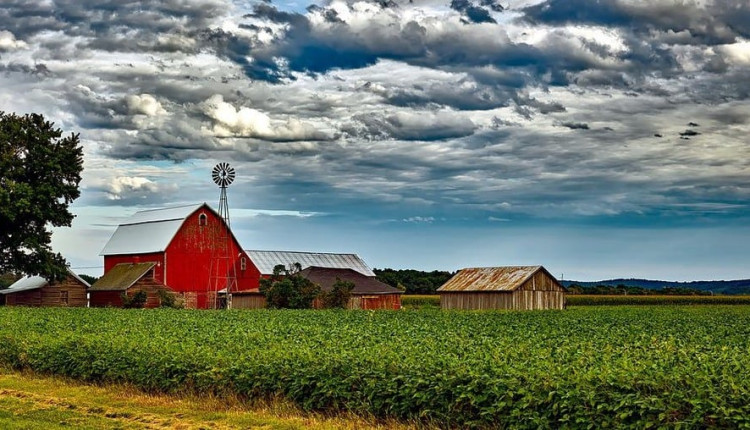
(634, 291)
(414, 281)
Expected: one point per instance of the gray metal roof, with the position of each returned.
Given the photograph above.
(24, 284)
(506, 278)
(148, 231)
(163, 214)
(33, 282)
(265, 261)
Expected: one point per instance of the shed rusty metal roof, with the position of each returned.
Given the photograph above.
(506, 278)
(122, 276)
(265, 261)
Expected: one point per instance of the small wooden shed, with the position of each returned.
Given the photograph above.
(127, 278)
(509, 287)
(368, 292)
(38, 291)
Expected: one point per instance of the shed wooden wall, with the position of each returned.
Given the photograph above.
(538, 292)
(50, 295)
(101, 299)
(248, 301)
(375, 301)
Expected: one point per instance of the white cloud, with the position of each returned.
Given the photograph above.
(129, 186)
(8, 41)
(737, 53)
(144, 104)
(249, 122)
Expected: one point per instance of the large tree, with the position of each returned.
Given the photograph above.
(39, 175)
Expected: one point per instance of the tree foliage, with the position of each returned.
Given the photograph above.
(7, 279)
(88, 278)
(39, 175)
(339, 296)
(414, 281)
(627, 290)
(286, 288)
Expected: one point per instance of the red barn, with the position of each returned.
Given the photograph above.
(193, 249)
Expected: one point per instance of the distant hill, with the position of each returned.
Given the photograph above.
(740, 286)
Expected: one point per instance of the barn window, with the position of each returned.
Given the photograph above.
(64, 297)
(243, 263)
(202, 219)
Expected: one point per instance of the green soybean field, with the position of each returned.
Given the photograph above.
(637, 367)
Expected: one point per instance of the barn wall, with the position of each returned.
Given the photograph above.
(376, 301)
(517, 300)
(479, 300)
(51, 295)
(25, 298)
(248, 301)
(541, 281)
(188, 264)
(103, 299)
(157, 257)
(535, 300)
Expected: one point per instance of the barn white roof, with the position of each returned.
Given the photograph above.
(148, 231)
(33, 282)
(265, 261)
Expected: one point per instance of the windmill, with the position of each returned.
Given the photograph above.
(223, 275)
(223, 175)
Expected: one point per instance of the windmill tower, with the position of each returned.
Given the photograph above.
(223, 275)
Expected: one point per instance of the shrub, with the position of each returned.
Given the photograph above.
(288, 289)
(168, 299)
(134, 301)
(339, 295)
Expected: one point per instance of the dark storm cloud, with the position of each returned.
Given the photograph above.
(113, 25)
(393, 111)
(575, 125)
(38, 70)
(473, 13)
(339, 46)
(425, 126)
(717, 23)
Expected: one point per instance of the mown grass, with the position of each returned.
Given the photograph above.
(617, 367)
(35, 402)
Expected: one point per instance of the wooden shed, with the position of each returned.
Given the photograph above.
(248, 299)
(127, 278)
(38, 291)
(368, 292)
(510, 287)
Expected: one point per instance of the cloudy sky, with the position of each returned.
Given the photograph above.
(600, 138)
